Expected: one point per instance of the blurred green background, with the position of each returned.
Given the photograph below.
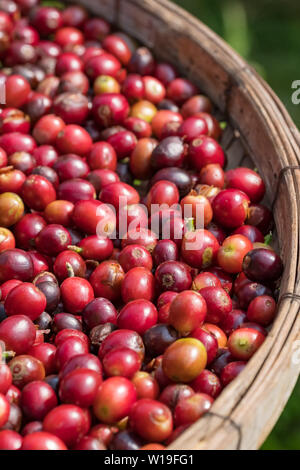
(267, 34)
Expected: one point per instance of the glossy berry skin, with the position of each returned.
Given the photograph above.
(123, 142)
(70, 166)
(68, 333)
(230, 208)
(101, 177)
(208, 340)
(133, 256)
(66, 320)
(191, 128)
(248, 181)
(53, 239)
(69, 263)
(38, 192)
(184, 360)
(261, 310)
(76, 293)
(231, 371)
(68, 62)
(37, 399)
(188, 410)
(140, 236)
(110, 109)
(73, 139)
(249, 291)
(262, 265)
(169, 152)
(133, 87)
(106, 280)
(15, 264)
(7, 239)
(151, 420)
(204, 150)
(47, 129)
(173, 393)
(105, 84)
(102, 64)
(180, 177)
(7, 286)
(95, 29)
(68, 422)
(244, 342)
(187, 312)
(126, 440)
(11, 181)
(76, 190)
(122, 338)
(88, 214)
(165, 250)
(132, 216)
(137, 315)
(11, 209)
(17, 91)
(138, 283)
(114, 399)
(98, 312)
(212, 174)
(205, 279)
(27, 229)
(196, 104)
(18, 333)
(217, 332)
(162, 192)
(46, 20)
(146, 385)
(79, 387)
(251, 232)
(42, 441)
(102, 155)
(25, 369)
(233, 320)
(142, 61)
(118, 194)
(207, 382)
(72, 107)
(4, 410)
(173, 276)
(25, 299)
(70, 347)
(95, 248)
(122, 362)
(199, 248)
(181, 89)
(79, 362)
(45, 352)
(10, 440)
(197, 206)
(260, 217)
(232, 252)
(160, 120)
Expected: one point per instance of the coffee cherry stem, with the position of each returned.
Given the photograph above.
(70, 270)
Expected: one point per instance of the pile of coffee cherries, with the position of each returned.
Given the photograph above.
(123, 341)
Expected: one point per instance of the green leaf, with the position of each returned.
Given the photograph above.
(54, 4)
(268, 238)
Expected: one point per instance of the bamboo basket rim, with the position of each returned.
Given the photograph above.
(245, 412)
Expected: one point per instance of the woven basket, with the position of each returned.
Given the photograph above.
(260, 128)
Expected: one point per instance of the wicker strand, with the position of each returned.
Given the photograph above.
(233, 424)
(288, 295)
(280, 176)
